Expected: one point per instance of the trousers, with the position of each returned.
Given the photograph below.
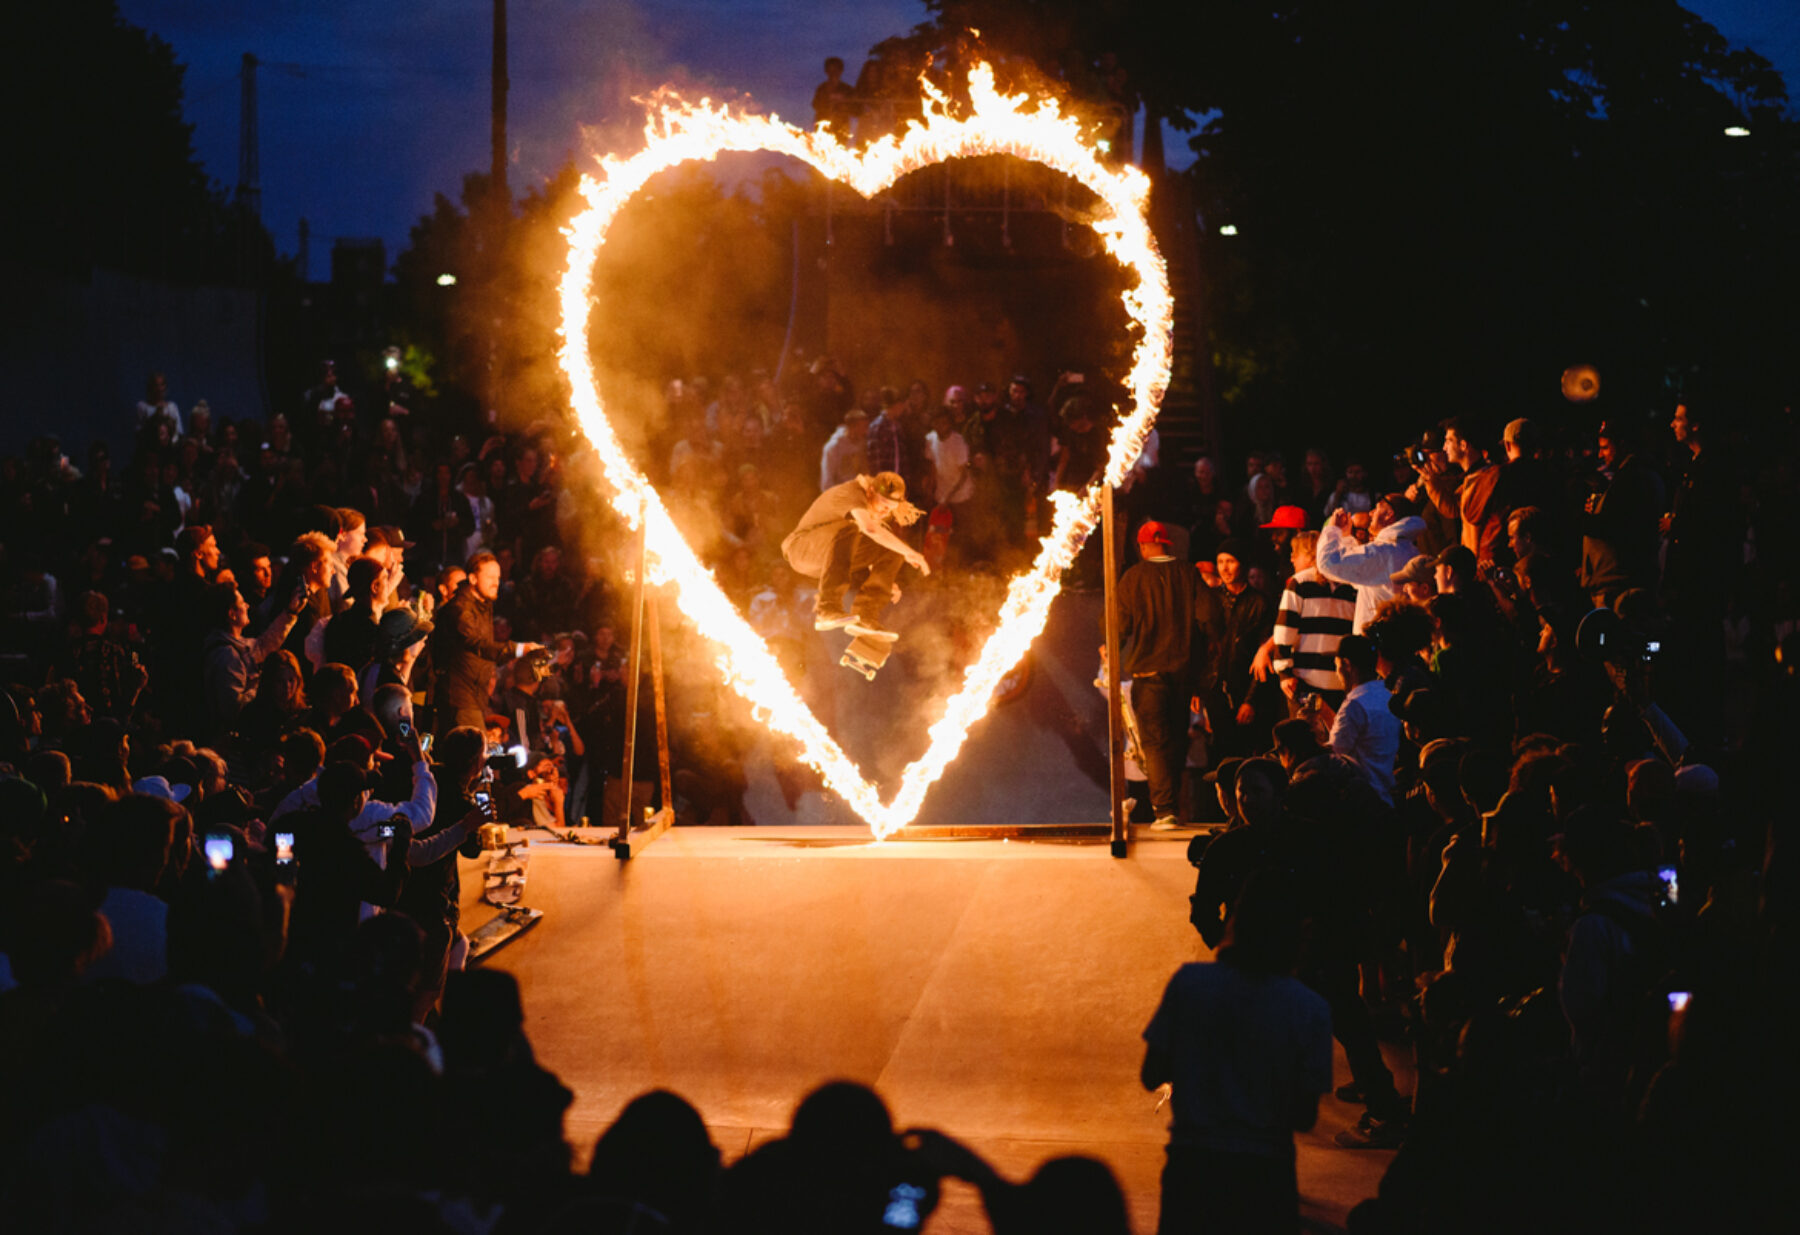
(1161, 703)
(863, 563)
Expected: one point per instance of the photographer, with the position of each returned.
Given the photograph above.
(336, 876)
(432, 895)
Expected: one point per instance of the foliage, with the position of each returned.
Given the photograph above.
(1441, 205)
(96, 108)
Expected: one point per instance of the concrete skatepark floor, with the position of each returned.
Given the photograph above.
(993, 990)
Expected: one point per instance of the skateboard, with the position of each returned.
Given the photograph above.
(502, 887)
(866, 655)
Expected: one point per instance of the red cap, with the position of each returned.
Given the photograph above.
(1291, 517)
(1154, 531)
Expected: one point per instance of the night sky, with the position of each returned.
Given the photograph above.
(387, 103)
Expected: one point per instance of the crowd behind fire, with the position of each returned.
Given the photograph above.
(1533, 846)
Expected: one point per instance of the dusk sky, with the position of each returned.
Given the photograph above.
(369, 109)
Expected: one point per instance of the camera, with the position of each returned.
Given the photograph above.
(1603, 636)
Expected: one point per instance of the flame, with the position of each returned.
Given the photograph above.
(1033, 129)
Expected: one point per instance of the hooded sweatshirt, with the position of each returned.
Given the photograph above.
(1369, 567)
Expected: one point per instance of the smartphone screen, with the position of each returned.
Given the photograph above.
(385, 831)
(284, 848)
(218, 851)
(425, 743)
(483, 798)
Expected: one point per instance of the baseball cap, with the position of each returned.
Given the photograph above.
(1419, 570)
(1291, 517)
(854, 415)
(394, 537)
(1152, 531)
(1402, 506)
(1225, 774)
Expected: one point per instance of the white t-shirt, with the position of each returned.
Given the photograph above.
(145, 410)
(1243, 1052)
(951, 457)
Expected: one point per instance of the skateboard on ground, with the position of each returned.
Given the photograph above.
(866, 655)
(502, 887)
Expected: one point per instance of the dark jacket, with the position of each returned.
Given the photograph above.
(1619, 538)
(1169, 622)
(464, 651)
(1247, 619)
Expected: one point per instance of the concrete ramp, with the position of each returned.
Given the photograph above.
(993, 989)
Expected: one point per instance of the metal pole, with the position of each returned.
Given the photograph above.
(1115, 709)
(637, 667)
(662, 714)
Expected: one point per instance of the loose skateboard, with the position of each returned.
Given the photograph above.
(866, 655)
(502, 887)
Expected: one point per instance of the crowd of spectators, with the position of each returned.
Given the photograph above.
(1495, 724)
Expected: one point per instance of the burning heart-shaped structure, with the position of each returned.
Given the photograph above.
(1018, 125)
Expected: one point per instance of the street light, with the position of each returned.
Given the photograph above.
(1737, 130)
(1230, 229)
(446, 280)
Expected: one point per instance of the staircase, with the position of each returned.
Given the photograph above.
(1188, 422)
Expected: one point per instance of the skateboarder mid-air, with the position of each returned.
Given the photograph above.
(845, 540)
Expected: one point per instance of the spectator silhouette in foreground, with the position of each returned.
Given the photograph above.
(1246, 1048)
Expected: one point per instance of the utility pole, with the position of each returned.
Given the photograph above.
(498, 171)
(249, 185)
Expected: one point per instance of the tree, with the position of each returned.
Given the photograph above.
(106, 163)
(1439, 206)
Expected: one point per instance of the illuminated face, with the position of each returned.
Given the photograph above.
(1517, 539)
(487, 581)
(1682, 427)
(1455, 448)
(1230, 569)
(354, 541)
(1606, 452)
(263, 571)
(209, 554)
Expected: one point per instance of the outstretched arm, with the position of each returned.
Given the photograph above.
(882, 535)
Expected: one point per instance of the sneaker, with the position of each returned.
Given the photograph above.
(866, 628)
(1165, 823)
(1373, 1134)
(829, 621)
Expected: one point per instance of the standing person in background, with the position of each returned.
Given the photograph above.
(1169, 631)
(1315, 613)
(1619, 539)
(1395, 528)
(1242, 709)
(464, 651)
(1470, 500)
(846, 454)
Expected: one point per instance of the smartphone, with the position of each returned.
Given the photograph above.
(425, 743)
(1418, 456)
(904, 1210)
(218, 852)
(385, 831)
(1672, 886)
(284, 848)
(405, 730)
(484, 799)
(1678, 1000)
